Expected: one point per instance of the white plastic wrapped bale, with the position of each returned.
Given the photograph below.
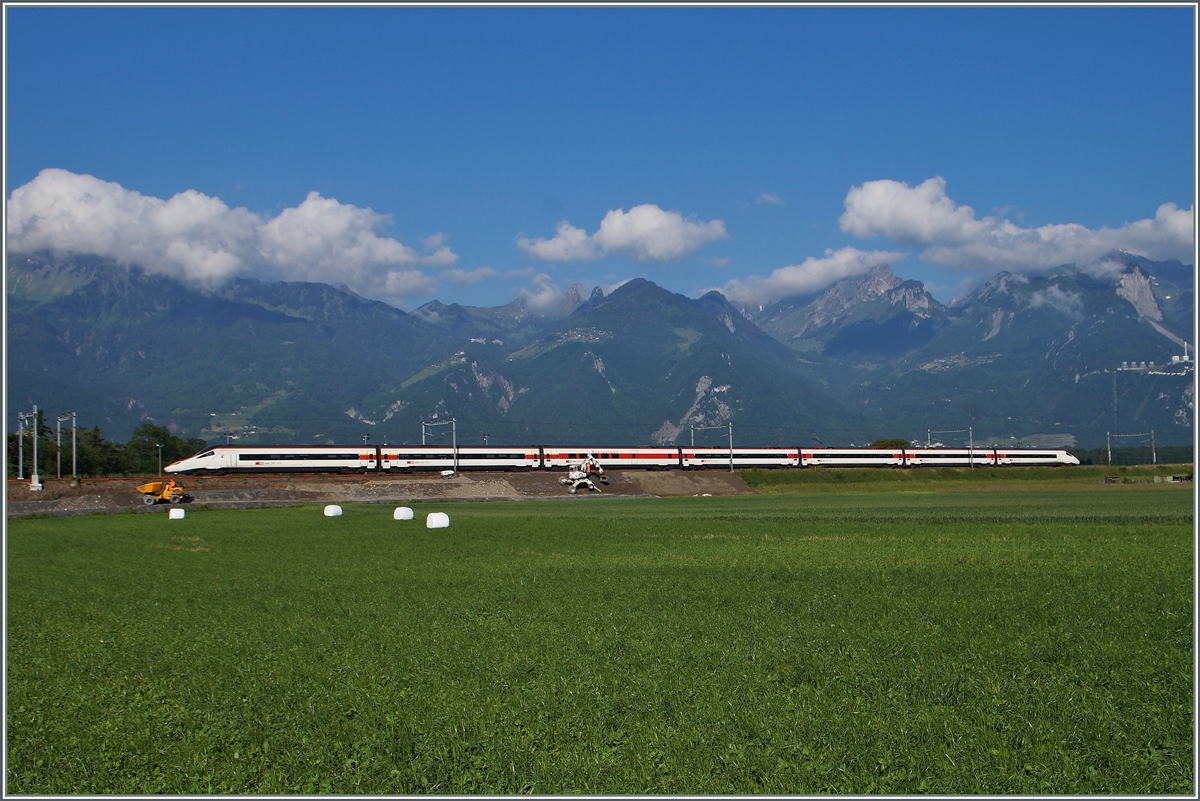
(402, 513)
(437, 520)
(333, 510)
(176, 514)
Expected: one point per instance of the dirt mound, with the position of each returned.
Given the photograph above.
(64, 497)
(677, 482)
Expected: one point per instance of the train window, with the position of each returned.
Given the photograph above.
(307, 457)
(205, 455)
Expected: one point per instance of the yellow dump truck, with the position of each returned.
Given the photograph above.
(162, 492)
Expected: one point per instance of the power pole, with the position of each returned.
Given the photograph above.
(21, 417)
(34, 484)
(1108, 437)
(452, 422)
(703, 428)
(58, 441)
(30, 418)
(1153, 452)
(730, 446)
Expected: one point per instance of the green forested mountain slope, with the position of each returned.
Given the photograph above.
(300, 362)
(873, 356)
(639, 366)
(121, 345)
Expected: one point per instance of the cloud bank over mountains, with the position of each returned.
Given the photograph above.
(199, 239)
(812, 275)
(645, 232)
(952, 236)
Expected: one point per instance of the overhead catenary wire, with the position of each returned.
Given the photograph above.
(1153, 451)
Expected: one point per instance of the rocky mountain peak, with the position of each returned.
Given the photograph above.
(849, 293)
(913, 297)
(1003, 284)
(574, 294)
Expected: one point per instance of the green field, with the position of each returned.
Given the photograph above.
(991, 638)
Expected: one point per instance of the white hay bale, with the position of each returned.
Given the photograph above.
(333, 510)
(176, 514)
(402, 513)
(437, 520)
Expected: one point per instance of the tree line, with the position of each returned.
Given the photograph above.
(97, 457)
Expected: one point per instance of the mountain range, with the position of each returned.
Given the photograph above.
(1052, 358)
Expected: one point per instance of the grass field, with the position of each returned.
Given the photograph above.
(1002, 479)
(996, 639)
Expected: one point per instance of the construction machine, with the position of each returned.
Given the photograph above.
(162, 492)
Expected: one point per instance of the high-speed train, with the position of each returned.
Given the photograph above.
(414, 459)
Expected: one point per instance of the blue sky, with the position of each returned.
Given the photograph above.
(517, 150)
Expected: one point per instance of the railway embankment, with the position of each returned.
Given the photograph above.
(87, 496)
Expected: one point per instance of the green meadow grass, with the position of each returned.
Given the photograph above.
(824, 479)
(1018, 641)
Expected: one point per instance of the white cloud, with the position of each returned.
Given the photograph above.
(432, 243)
(545, 296)
(810, 276)
(323, 240)
(952, 236)
(437, 252)
(645, 232)
(569, 244)
(916, 215)
(199, 239)
(1104, 269)
(1168, 235)
(1066, 303)
(767, 197)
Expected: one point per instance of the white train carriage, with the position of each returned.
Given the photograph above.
(278, 459)
(851, 457)
(1032, 457)
(949, 457)
(408, 458)
(614, 458)
(744, 458)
